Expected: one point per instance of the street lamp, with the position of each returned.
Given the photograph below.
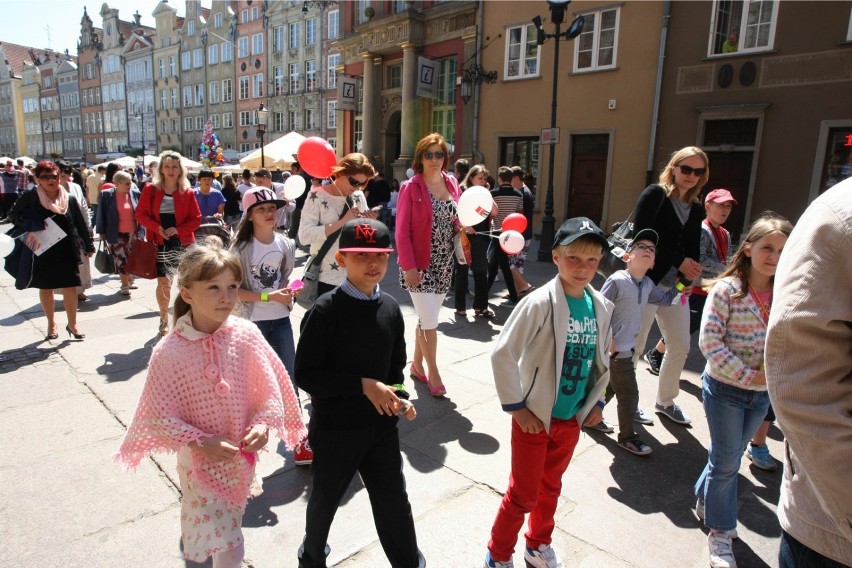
(140, 116)
(557, 16)
(262, 121)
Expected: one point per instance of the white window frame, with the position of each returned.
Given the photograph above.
(257, 44)
(293, 35)
(227, 90)
(333, 62)
(172, 70)
(185, 61)
(213, 54)
(279, 81)
(162, 68)
(333, 24)
(227, 51)
(214, 118)
(311, 75)
(217, 20)
(278, 122)
(331, 114)
(522, 72)
(199, 94)
(278, 39)
(257, 86)
(227, 120)
(244, 16)
(311, 31)
(187, 96)
(190, 28)
(744, 26)
(310, 119)
(199, 123)
(213, 94)
(174, 97)
(242, 47)
(187, 124)
(197, 58)
(244, 87)
(593, 28)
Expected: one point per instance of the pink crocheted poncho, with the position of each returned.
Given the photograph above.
(219, 384)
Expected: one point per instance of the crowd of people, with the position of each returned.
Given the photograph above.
(227, 374)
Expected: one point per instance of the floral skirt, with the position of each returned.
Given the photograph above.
(121, 250)
(208, 524)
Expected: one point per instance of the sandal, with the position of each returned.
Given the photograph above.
(487, 313)
(461, 313)
(417, 376)
(438, 391)
(164, 326)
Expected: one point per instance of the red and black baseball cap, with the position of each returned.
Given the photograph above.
(365, 235)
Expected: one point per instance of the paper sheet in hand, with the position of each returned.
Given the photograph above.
(40, 241)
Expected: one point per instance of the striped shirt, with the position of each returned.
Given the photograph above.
(509, 200)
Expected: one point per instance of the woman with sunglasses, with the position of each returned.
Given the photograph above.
(51, 207)
(426, 221)
(169, 212)
(672, 208)
(327, 209)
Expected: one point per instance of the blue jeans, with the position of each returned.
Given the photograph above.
(794, 554)
(279, 334)
(733, 415)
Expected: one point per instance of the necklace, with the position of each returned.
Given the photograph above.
(764, 308)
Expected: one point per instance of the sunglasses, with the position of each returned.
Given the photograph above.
(689, 170)
(436, 155)
(650, 248)
(49, 177)
(354, 182)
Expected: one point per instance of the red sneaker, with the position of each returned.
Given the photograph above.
(303, 453)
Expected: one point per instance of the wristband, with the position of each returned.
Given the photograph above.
(600, 404)
(680, 286)
(264, 296)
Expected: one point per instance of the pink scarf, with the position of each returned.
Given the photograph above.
(59, 205)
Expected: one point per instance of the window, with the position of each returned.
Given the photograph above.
(254, 13)
(358, 134)
(227, 120)
(199, 95)
(310, 31)
(245, 147)
(278, 39)
(244, 88)
(444, 108)
(190, 28)
(245, 118)
(227, 52)
(522, 53)
(294, 35)
(596, 46)
(278, 124)
(742, 25)
(187, 123)
(278, 87)
(162, 68)
(331, 114)
(837, 159)
(332, 141)
(333, 24)
(213, 54)
(394, 77)
(187, 96)
(213, 94)
(174, 98)
(243, 47)
(227, 90)
(293, 119)
(163, 126)
(257, 86)
(199, 123)
(217, 20)
(362, 11)
(244, 16)
(310, 119)
(198, 58)
(172, 71)
(333, 62)
(85, 99)
(294, 78)
(163, 100)
(257, 44)
(185, 61)
(90, 71)
(97, 97)
(310, 75)
(214, 119)
(175, 125)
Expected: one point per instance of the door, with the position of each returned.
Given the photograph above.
(732, 171)
(588, 176)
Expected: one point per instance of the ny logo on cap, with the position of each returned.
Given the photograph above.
(586, 226)
(264, 195)
(365, 232)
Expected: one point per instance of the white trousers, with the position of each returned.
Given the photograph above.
(674, 324)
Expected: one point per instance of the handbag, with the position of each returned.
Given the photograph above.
(142, 260)
(461, 246)
(310, 278)
(104, 260)
(619, 241)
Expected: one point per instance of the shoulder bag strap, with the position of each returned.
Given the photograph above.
(329, 240)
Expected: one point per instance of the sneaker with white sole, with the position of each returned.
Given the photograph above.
(673, 413)
(602, 426)
(654, 359)
(635, 446)
(760, 457)
(721, 550)
(303, 454)
(699, 512)
(542, 557)
(491, 563)
(642, 417)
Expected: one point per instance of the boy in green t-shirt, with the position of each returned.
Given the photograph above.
(548, 402)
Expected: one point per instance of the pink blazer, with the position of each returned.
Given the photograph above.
(414, 221)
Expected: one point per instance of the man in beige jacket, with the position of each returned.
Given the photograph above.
(809, 378)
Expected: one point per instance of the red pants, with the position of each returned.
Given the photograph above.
(538, 462)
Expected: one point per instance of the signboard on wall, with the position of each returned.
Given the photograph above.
(347, 93)
(550, 136)
(427, 78)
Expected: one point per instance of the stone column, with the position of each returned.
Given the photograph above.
(409, 128)
(464, 131)
(368, 114)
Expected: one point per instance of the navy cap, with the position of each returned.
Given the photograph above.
(577, 227)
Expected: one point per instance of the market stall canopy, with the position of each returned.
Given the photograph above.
(278, 153)
(26, 159)
(190, 165)
(228, 169)
(124, 162)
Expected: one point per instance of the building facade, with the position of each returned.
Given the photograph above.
(220, 72)
(139, 85)
(193, 77)
(166, 53)
(89, 66)
(71, 125)
(763, 88)
(250, 71)
(31, 99)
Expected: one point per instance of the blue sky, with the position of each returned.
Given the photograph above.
(64, 17)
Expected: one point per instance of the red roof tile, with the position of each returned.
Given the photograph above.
(19, 55)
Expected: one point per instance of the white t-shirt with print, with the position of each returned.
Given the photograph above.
(265, 276)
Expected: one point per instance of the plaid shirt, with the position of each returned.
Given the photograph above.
(23, 179)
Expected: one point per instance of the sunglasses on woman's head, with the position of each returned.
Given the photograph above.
(48, 177)
(354, 182)
(689, 170)
(439, 155)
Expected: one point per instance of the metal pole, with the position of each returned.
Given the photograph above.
(548, 222)
(262, 161)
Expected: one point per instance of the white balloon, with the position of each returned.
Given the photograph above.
(7, 245)
(512, 242)
(474, 205)
(409, 173)
(294, 187)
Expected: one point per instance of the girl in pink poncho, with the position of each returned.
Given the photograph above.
(214, 391)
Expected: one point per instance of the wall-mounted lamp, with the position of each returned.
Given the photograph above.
(262, 122)
(475, 75)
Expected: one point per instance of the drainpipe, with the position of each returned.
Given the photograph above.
(474, 140)
(667, 14)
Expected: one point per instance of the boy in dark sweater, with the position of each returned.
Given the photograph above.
(351, 349)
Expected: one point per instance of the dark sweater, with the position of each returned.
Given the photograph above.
(677, 241)
(342, 340)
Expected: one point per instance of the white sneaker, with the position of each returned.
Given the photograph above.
(491, 563)
(543, 557)
(721, 550)
(699, 512)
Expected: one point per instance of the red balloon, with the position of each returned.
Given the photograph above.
(515, 222)
(317, 157)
